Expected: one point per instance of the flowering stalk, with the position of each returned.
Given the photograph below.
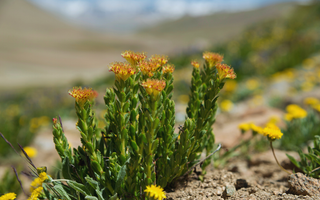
(196, 92)
(213, 81)
(86, 125)
(151, 92)
(166, 132)
(135, 139)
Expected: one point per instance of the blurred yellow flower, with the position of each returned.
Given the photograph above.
(226, 105)
(256, 128)
(244, 126)
(8, 196)
(316, 107)
(37, 122)
(230, 85)
(30, 151)
(252, 84)
(311, 101)
(294, 112)
(307, 86)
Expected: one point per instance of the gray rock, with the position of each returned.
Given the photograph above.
(299, 184)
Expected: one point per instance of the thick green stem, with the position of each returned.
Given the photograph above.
(150, 137)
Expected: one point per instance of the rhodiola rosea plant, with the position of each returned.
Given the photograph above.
(139, 153)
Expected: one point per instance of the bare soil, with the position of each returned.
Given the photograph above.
(239, 180)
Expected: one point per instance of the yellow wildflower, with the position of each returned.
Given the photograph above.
(311, 101)
(134, 57)
(35, 193)
(38, 181)
(122, 70)
(30, 151)
(155, 191)
(225, 71)
(256, 128)
(226, 105)
(169, 68)
(154, 87)
(212, 58)
(8, 196)
(272, 132)
(294, 112)
(195, 64)
(244, 126)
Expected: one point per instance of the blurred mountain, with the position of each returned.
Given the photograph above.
(201, 31)
(130, 15)
(39, 48)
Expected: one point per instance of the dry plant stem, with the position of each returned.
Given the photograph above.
(315, 170)
(200, 162)
(274, 155)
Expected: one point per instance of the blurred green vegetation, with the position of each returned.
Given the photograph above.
(23, 114)
(299, 132)
(9, 183)
(271, 46)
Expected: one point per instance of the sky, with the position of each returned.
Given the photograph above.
(131, 14)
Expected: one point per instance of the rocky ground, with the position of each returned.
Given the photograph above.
(244, 180)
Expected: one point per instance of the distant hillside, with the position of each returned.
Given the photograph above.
(215, 28)
(38, 48)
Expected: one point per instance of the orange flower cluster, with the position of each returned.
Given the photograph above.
(195, 64)
(83, 95)
(154, 87)
(122, 70)
(212, 58)
(134, 57)
(169, 68)
(159, 60)
(148, 67)
(225, 71)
